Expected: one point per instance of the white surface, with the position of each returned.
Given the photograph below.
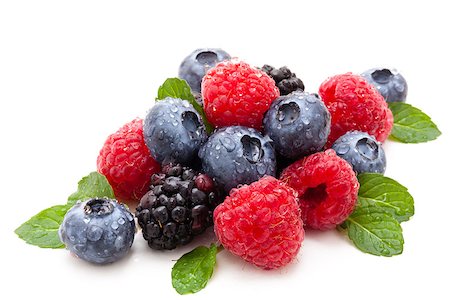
(72, 73)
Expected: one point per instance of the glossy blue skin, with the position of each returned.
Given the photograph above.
(391, 84)
(196, 64)
(237, 155)
(298, 124)
(362, 151)
(98, 238)
(174, 131)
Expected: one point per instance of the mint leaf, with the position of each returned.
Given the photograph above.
(388, 194)
(411, 125)
(374, 231)
(178, 88)
(192, 271)
(91, 186)
(42, 229)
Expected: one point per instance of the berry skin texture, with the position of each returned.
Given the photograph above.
(327, 188)
(196, 64)
(98, 230)
(234, 93)
(127, 163)
(354, 104)
(174, 131)
(285, 80)
(177, 207)
(261, 223)
(298, 124)
(237, 155)
(362, 151)
(390, 83)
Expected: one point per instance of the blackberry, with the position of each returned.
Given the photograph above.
(177, 207)
(285, 80)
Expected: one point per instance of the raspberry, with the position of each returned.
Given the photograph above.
(354, 104)
(126, 162)
(234, 93)
(261, 223)
(327, 188)
(177, 207)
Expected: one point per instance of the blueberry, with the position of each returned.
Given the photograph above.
(98, 230)
(174, 131)
(362, 151)
(196, 64)
(391, 84)
(298, 124)
(237, 155)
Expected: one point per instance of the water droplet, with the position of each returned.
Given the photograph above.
(174, 122)
(86, 220)
(72, 238)
(308, 134)
(161, 135)
(240, 168)
(311, 99)
(129, 217)
(114, 225)
(94, 233)
(279, 126)
(228, 144)
(261, 168)
(217, 147)
(306, 120)
(173, 108)
(342, 149)
(172, 116)
(121, 221)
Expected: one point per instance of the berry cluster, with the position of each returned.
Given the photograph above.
(185, 179)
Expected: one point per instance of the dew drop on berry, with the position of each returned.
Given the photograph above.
(173, 108)
(114, 225)
(261, 169)
(94, 233)
(121, 221)
(342, 149)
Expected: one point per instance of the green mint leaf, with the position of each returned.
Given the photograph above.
(411, 125)
(192, 271)
(42, 229)
(374, 231)
(178, 88)
(388, 194)
(91, 186)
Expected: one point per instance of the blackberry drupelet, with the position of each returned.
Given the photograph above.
(285, 80)
(177, 207)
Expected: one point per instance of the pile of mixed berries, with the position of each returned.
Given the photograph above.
(279, 159)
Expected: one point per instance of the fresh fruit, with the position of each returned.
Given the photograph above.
(177, 207)
(174, 131)
(237, 155)
(261, 223)
(327, 188)
(234, 93)
(362, 151)
(390, 83)
(285, 80)
(298, 124)
(196, 64)
(98, 230)
(126, 162)
(354, 104)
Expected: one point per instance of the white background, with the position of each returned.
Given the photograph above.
(73, 72)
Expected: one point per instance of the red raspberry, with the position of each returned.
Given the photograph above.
(234, 93)
(327, 188)
(354, 104)
(261, 223)
(126, 162)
